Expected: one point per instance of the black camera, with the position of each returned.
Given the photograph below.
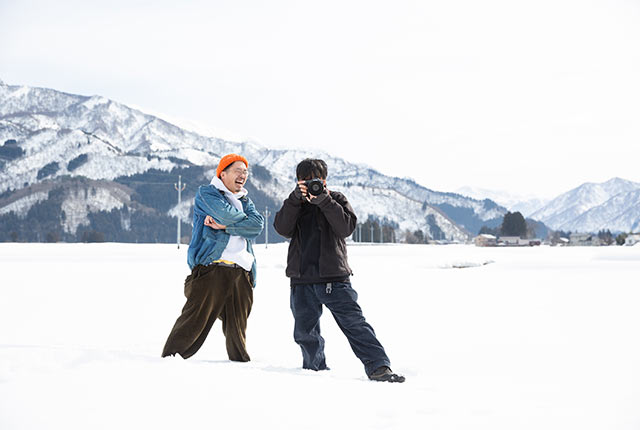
(314, 186)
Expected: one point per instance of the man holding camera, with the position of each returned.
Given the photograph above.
(318, 221)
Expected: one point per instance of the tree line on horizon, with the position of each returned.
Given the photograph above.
(514, 224)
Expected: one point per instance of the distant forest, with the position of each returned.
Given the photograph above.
(145, 220)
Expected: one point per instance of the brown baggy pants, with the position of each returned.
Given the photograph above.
(213, 292)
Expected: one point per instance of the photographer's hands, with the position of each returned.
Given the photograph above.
(302, 192)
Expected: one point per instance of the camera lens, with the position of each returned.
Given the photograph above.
(315, 187)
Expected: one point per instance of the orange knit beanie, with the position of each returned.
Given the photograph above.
(230, 159)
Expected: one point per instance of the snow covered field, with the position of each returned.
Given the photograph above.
(488, 338)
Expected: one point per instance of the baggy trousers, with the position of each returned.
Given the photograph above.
(341, 300)
(213, 292)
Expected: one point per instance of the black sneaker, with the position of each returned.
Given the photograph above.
(384, 374)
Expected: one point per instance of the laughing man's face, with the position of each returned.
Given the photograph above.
(235, 176)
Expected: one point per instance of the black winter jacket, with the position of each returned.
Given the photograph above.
(335, 221)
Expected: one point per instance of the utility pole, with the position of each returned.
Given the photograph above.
(180, 188)
(371, 233)
(266, 227)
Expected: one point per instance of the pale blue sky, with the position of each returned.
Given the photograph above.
(444, 92)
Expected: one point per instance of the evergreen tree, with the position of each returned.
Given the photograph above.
(513, 224)
(489, 230)
(621, 238)
(415, 237)
(605, 237)
(434, 228)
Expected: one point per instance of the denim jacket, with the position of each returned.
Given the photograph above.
(207, 244)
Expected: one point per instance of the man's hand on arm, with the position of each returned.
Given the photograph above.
(210, 222)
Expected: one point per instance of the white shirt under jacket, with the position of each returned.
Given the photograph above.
(236, 250)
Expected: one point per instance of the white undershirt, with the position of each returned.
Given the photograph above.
(236, 250)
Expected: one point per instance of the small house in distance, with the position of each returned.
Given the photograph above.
(632, 239)
(509, 240)
(517, 241)
(491, 240)
(486, 240)
(561, 241)
(583, 239)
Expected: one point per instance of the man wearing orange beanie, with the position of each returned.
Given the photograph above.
(223, 266)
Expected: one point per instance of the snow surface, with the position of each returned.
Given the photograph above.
(488, 338)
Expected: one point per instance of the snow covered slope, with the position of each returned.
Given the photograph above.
(50, 135)
(591, 207)
(525, 204)
(620, 213)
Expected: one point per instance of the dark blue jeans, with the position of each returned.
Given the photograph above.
(341, 300)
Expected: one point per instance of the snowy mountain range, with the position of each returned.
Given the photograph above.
(591, 207)
(612, 205)
(525, 204)
(91, 161)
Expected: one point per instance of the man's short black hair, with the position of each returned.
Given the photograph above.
(311, 168)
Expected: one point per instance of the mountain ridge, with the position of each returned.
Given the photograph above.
(47, 134)
(51, 135)
(592, 207)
